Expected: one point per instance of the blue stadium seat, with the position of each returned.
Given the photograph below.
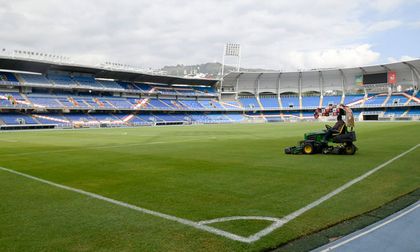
(290, 101)
(16, 119)
(397, 99)
(375, 100)
(35, 79)
(7, 78)
(249, 102)
(269, 102)
(331, 100)
(310, 101)
(352, 98)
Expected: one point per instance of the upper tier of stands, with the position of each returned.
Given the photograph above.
(69, 100)
(269, 101)
(290, 102)
(310, 101)
(249, 102)
(89, 82)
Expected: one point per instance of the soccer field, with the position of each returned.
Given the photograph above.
(190, 174)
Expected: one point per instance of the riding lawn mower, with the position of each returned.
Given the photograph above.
(343, 139)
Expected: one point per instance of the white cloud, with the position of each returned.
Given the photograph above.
(385, 5)
(384, 25)
(415, 25)
(359, 55)
(402, 58)
(159, 32)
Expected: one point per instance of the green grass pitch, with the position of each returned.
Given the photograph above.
(196, 173)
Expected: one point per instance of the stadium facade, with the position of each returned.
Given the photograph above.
(38, 94)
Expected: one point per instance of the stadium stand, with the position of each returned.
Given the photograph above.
(290, 102)
(8, 78)
(249, 102)
(17, 119)
(269, 102)
(310, 101)
(61, 80)
(375, 100)
(331, 100)
(111, 85)
(351, 98)
(67, 98)
(37, 79)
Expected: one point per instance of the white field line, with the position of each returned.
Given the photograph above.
(201, 225)
(299, 212)
(405, 212)
(133, 207)
(102, 147)
(8, 141)
(231, 218)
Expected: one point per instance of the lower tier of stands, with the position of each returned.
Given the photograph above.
(91, 119)
(156, 118)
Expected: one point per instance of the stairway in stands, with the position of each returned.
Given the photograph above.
(74, 102)
(141, 103)
(360, 101)
(405, 113)
(97, 101)
(386, 100)
(411, 98)
(259, 102)
(51, 118)
(228, 105)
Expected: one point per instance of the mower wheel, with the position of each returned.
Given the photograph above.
(308, 148)
(350, 149)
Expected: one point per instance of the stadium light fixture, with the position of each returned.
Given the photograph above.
(121, 66)
(40, 56)
(230, 50)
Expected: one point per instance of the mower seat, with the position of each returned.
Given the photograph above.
(347, 137)
(342, 130)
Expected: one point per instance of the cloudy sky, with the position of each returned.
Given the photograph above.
(275, 34)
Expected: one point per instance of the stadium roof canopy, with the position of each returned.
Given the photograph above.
(37, 66)
(407, 73)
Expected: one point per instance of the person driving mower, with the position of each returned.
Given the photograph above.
(335, 129)
(341, 135)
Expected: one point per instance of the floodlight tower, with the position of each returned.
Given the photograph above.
(232, 50)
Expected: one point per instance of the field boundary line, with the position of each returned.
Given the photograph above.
(201, 225)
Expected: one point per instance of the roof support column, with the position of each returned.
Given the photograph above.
(364, 87)
(237, 85)
(257, 85)
(321, 88)
(300, 89)
(257, 90)
(278, 90)
(278, 84)
(343, 82)
(414, 73)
